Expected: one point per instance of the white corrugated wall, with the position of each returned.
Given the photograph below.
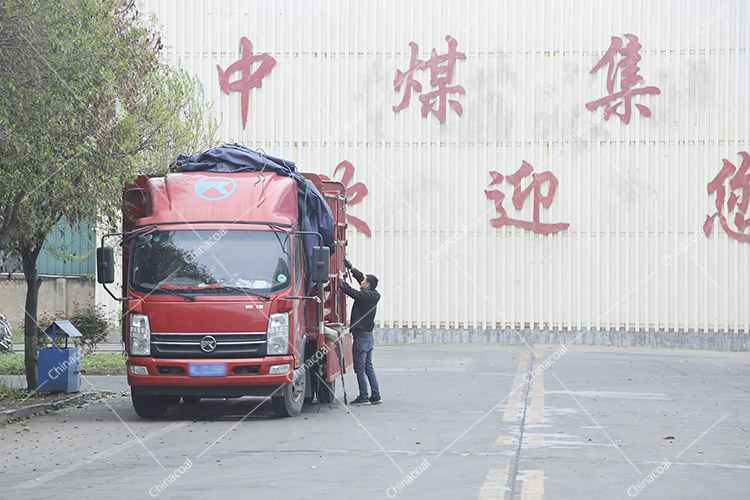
(634, 195)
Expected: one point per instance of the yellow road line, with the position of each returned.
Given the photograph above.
(533, 485)
(535, 441)
(505, 441)
(494, 485)
(514, 401)
(536, 409)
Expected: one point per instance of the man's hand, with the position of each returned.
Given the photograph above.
(347, 264)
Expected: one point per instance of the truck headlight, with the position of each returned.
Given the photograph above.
(140, 335)
(277, 335)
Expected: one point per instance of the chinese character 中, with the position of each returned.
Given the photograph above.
(248, 78)
(441, 75)
(629, 77)
(354, 195)
(520, 195)
(739, 198)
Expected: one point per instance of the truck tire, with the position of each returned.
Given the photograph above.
(289, 404)
(149, 406)
(326, 391)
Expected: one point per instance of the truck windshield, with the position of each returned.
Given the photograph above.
(211, 262)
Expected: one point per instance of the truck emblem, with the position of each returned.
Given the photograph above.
(215, 188)
(208, 343)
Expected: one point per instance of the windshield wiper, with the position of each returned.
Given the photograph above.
(187, 296)
(170, 291)
(246, 291)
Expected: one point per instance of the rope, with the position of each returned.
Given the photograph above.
(304, 207)
(261, 176)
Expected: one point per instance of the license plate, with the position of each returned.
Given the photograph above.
(207, 369)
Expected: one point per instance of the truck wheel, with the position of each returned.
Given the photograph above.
(326, 391)
(289, 404)
(149, 406)
(191, 400)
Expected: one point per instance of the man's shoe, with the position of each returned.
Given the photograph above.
(361, 401)
(375, 400)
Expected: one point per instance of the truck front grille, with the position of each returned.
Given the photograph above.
(228, 345)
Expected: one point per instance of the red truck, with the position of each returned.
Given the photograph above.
(221, 299)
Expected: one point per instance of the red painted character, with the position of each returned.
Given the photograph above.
(248, 78)
(739, 198)
(354, 195)
(441, 75)
(519, 197)
(629, 78)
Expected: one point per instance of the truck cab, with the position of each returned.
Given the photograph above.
(220, 298)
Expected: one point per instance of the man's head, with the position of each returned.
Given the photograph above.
(369, 283)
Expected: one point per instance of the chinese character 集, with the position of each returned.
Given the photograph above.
(629, 77)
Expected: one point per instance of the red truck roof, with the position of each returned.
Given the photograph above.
(217, 197)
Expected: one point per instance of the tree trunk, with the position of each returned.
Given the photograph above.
(29, 256)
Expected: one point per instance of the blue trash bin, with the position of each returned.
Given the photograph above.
(60, 367)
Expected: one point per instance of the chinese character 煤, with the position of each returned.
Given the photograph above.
(441, 75)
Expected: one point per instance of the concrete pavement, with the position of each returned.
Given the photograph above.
(459, 421)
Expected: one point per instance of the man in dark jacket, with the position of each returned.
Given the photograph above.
(361, 325)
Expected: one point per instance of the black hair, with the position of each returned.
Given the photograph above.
(373, 281)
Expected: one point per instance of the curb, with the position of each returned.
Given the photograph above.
(30, 410)
(670, 339)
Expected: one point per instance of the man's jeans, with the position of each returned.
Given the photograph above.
(362, 351)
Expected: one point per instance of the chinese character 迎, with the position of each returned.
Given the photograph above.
(441, 75)
(629, 77)
(739, 198)
(520, 195)
(248, 79)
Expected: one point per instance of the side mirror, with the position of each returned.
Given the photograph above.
(105, 265)
(321, 260)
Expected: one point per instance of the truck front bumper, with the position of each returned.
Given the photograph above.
(244, 377)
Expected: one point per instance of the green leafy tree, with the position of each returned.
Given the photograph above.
(85, 106)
